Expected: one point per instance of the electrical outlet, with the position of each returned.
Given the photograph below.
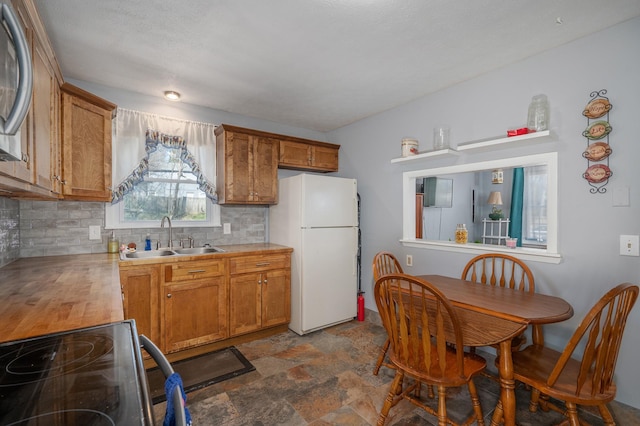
(409, 260)
(629, 245)
(94, 233)
(226, 228)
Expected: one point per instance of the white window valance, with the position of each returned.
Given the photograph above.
(135, 136)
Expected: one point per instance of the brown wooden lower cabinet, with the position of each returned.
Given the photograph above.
(259, 292)
(259, 300)
(195, 313)
(189, 303)
(140, 293)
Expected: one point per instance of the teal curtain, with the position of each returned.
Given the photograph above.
(517, 193)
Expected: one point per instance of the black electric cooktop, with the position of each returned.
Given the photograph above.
(91, 376)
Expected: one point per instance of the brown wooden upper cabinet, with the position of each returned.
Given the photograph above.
(247, 166)
(248, 162)
(308, 155)
(37, 175)
(86, 145)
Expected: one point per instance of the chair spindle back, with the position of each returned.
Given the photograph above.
(601, 333)
(420, 320)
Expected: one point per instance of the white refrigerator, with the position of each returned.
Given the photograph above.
(318, 217)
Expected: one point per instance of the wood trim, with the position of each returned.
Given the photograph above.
(253, 132)
(89, 97)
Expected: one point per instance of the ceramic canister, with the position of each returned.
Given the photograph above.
(409, 147)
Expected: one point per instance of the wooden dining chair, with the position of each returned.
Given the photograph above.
(420, 320)
(498, 269)
(384, 263)
(588, 381)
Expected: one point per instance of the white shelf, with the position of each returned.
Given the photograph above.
(423, 155)
(484, 143)
(478, 144)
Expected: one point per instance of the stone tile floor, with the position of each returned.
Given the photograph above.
(325, 378)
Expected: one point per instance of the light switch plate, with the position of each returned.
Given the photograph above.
(629, 245)
(94, 232)
(226, 228)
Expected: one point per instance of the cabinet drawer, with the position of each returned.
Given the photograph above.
(239, 265)
(183, 271)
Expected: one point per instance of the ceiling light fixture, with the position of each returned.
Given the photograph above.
(171, 95)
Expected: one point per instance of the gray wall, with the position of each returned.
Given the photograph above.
(589, 226)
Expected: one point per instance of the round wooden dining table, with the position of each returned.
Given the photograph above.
(493, 315)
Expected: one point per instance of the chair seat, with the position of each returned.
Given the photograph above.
(534, 364)
(473, 364)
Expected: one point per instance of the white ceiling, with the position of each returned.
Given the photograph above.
(316, 64)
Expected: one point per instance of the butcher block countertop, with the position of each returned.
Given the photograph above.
(42, 295)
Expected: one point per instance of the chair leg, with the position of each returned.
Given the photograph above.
(430, 392)
(442, 406)
(545, 404)
(383, 353)
(477, 408)
(389, 400)
(498, 414)
(606, 415)
(572, 414)
(533, 402)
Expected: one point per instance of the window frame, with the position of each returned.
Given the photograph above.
(548, 255)
(115, 213)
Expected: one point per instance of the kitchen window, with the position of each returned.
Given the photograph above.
(169, 189)
(167, 180)
(534, 215)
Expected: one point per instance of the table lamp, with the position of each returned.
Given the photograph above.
(495, 199)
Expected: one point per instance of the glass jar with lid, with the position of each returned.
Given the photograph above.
(538, 116)
(462, 234)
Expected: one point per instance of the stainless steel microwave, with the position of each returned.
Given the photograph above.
(16, 83)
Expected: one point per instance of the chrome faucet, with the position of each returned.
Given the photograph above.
(170, 230)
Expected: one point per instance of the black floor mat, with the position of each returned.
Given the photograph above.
(201, 371)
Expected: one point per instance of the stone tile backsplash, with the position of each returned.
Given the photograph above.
(9, 230)
(49, 228)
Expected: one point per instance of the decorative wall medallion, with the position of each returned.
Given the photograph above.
(597, 108)
(597, 173)
(597, 151)
(597, 130)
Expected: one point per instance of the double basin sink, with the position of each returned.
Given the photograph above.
(172, 252)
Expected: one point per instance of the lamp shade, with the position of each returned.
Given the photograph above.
(495, 198)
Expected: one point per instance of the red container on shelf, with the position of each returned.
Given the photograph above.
(518, 132)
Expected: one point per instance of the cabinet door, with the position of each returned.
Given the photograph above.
(315, 156)
(265, 170)
(86, 150)
(276, 297)
(294, 154)
(140, 292)
(195, 313)
(245, 305)
(43, 93)
(324, 158)
(238, 183)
